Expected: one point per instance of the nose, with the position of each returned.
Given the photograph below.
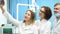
(39, 13)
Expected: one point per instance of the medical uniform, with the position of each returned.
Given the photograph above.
(56, 26)
(22, 28)
(3, 19)
(29, 29)
(44, 26)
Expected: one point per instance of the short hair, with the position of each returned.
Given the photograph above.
(47, 13)
(57, 4)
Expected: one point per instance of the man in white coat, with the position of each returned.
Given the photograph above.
(56, 23)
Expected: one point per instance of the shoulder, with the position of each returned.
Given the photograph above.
(49, 22)
(46, 22)
(37, 22)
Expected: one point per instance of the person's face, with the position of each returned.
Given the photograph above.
(27, 16)
(57, 9)
(41, 14)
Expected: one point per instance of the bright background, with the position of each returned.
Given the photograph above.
(22, 9)
(11, 6)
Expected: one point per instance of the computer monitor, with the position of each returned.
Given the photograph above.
(6, 30)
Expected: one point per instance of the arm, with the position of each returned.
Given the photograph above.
(9, 17)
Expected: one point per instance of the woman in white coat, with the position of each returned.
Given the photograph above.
(44, 24)
(27, 26)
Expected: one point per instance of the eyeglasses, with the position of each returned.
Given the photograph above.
(42, 11)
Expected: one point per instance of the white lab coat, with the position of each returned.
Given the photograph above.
(44, 26)
(22, 29)
(30, 29)
(3, 19)
(56, 26)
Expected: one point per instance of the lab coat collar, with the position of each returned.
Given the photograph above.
(58, 18)
(56, 22)
(44, 21)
